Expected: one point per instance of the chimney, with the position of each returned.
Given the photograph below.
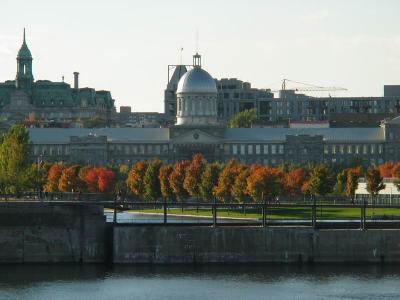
(76, 80)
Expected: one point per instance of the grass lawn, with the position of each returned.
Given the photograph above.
(281, 213)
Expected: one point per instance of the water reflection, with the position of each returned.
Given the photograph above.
(200, 282)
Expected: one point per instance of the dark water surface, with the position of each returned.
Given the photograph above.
(200, 282)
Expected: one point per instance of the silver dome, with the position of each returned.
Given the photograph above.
(196, 81)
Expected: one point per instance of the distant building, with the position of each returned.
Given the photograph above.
(199, 130)
(47, 103)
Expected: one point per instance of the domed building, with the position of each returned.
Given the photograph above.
(196, 97)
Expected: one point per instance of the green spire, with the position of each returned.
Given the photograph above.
(24, 52)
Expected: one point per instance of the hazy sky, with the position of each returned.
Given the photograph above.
(125, 46)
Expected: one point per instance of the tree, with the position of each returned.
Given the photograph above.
(106, 181)
(135, 178)
(294, 181)
(193, 175)
(321, 180)
(353, 175)
(165, 187)
(121, 175)
(16, 172)
(209, 180)
(82, 176)
(176, 179)
(53, 177)
(386, 169)
(226, 179)
(264, 181)
(340, 185)
(69, 180)
(151, 181)
(243, 119)
(374, 181)
(239, 191)
(91, 180)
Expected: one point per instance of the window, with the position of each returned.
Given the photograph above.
(280, 149)
(357, 151)
(242, 149)
(333, 149)
(341, 149)
(149, 149)
(234, 149)
(273, 149)
(326, 150)
(141, 149)
(134, 149)
(349, 149)
(373, 149)
(380, 149)
(258, 149)
(249, 149)
(365, 149)
(158, 149)
(265, 149)
(265, 161)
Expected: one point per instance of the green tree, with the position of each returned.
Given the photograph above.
(151, 180)
(16, 172)
(321, 180)
(210, 179)
(243, 119)
(374, 181)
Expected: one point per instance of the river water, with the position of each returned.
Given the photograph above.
(200, 282)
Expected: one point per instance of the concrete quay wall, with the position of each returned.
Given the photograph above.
(51, 233)
(165, 245)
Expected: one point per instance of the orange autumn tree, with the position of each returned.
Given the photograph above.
(106, 180)
(264, 181)
(91, 180)
(82, 176)
(226, 179)
(69, 180)
(193, 175)
(353, 175)
(135, 180)
(177, 178)
(239, 187)
(53, 177)
(386, 169)
(294, 181)
(165, 187)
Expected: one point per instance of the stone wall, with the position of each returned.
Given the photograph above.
(51, 233)
(177, 244)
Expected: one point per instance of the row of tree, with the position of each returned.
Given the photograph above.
(154, 180)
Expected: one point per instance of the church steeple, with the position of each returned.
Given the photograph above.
(24, 78)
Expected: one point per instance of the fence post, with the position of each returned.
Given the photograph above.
(115, 211)
(314, 212)
(264, 213)
(214, 209)
(165, 210)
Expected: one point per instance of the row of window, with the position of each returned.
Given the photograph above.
(139, 149)
(353, 149)
(250, 149)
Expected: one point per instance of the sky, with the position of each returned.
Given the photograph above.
(125, 45)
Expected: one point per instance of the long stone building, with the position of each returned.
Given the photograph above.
(198, 130)
(48, 102)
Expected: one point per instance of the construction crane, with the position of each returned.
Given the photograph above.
(306, 87)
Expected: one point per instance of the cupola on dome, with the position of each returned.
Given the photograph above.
(196, 80)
